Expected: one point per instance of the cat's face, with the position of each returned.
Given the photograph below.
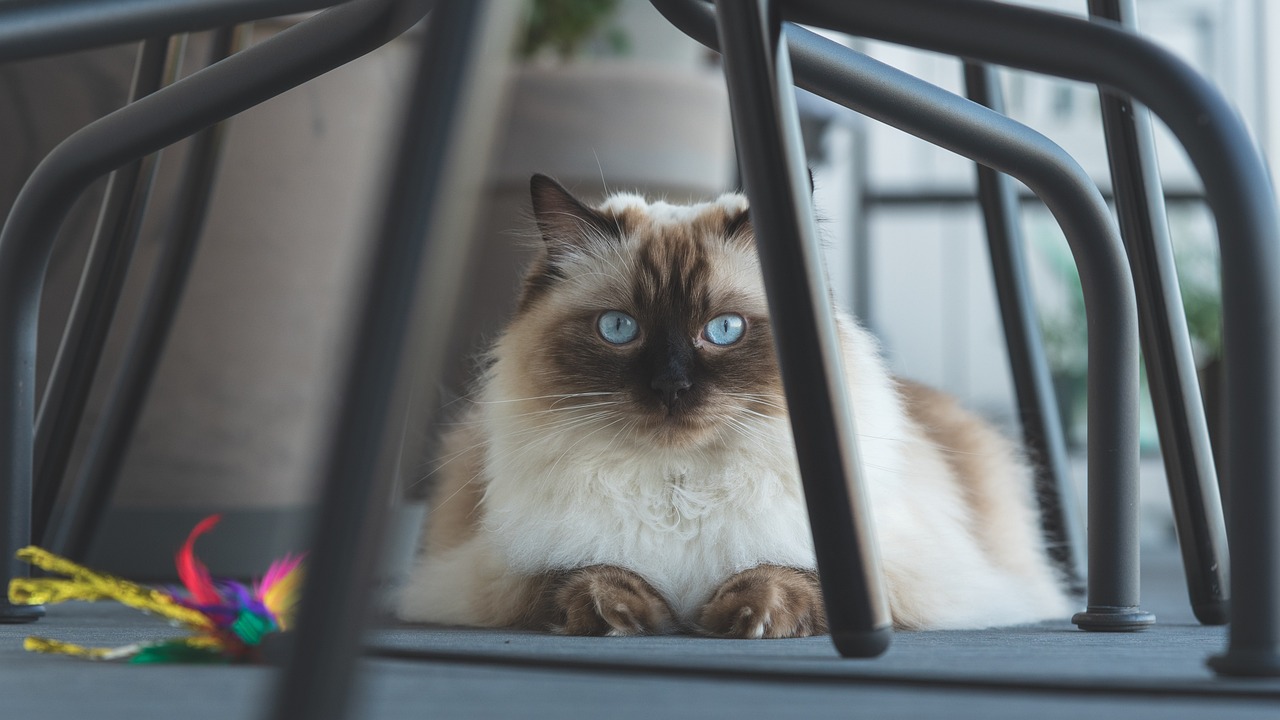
(650, 314)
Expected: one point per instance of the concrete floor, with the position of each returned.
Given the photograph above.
(1045, 671)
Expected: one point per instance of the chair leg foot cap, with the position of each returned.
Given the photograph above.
(864, 644)
(16, 614)
(1213, 612)
(1247, 663)
(1113, 619)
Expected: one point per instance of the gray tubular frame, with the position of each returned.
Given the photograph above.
(75, 522)
(241, 81)
(914, 106)
(97, 295)
(771, 157)
(1239, 192)
(37, 28)
(411, 289)
(1037, 404)
(1175, 389)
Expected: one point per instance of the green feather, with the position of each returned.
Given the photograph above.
(178, 651)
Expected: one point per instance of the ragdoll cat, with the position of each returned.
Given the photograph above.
(627, 467)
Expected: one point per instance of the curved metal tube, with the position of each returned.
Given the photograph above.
(1239, 192)
(184, 108)
(1171, 369)
(36, 28)
(73, 527)
(770, 153)
(408, 296)
(928, 112)
(66, 392)
(1060, 520)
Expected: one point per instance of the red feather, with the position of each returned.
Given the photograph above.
(192, 572)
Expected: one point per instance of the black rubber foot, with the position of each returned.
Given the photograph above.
(865, 644)
(1247, 663)
(1113, 619)
(15, 614)
(1216, 612)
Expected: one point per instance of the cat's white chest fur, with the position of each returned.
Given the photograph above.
(684, 522)
(565, 461)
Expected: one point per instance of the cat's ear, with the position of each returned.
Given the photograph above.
(737, 226)
(564, 220)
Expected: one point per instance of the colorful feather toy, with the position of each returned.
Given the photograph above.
(229, 619)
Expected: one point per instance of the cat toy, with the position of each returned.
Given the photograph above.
(229, 619)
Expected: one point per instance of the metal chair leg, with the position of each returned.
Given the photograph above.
(214, 94)
(1042, 432)
(1239, 192)
(1166, 346)
(74, 524)
(430, 204)
(893, 97)
(80, 350)
(771, 157)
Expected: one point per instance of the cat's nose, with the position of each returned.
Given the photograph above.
(670, 388)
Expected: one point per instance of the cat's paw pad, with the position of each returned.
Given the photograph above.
(609, 600)
(766, 601)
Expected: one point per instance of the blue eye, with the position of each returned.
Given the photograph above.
(617, 327)
(725, 329)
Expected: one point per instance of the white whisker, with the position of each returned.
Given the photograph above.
(561, 396)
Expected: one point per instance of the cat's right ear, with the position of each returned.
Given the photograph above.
(565, 222)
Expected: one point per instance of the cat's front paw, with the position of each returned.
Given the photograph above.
(608, 600)
(766, 601)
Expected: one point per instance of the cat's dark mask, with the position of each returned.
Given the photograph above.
(661, 305)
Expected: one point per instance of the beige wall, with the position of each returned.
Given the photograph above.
(242, 390)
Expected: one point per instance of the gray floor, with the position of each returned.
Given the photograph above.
(1047, 671)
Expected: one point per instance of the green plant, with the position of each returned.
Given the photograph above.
(1066, 336)
(1063, 324)
(1201, 298)
(565, 26)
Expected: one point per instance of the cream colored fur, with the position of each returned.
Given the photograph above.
(525, 490)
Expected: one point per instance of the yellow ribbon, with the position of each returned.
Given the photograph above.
(57, 647)
(85, 584)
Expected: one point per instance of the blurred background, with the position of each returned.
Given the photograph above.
(602, 94)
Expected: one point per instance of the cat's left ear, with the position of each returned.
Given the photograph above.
(565, 221)
(738, 226)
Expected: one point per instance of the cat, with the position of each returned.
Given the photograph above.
(626, 464)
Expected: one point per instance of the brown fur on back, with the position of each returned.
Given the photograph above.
(980, 458)
(455, 505)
